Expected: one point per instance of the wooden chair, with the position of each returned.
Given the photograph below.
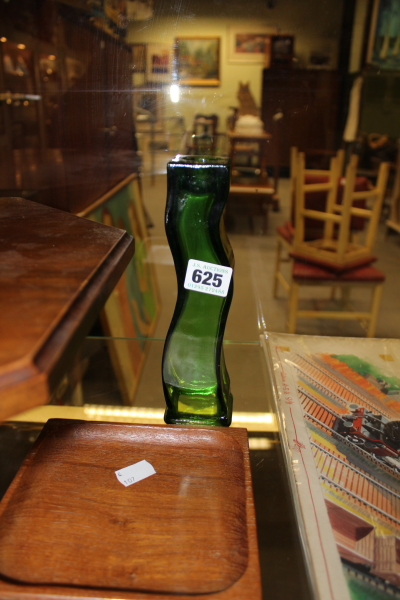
(334, 260)
(317, 184)
(368, 277)
(336, 248)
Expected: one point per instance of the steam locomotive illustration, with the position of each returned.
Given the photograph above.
(372, 433)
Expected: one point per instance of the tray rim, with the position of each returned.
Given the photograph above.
(250, 580)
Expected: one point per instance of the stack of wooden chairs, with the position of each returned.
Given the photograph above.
(341, 255)
(317, 184)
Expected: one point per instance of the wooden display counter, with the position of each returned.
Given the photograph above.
(56, 272)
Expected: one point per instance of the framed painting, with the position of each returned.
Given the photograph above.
(282, 50)
(131, 312)
(159, 63)
(197, 61)
(384, 39)
(250, 46)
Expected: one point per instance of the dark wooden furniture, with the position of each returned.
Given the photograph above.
(56, 272)
(250, 185)
(254, 150)
(308, 100)
(70, 135)
(204, 138)
(70, 529)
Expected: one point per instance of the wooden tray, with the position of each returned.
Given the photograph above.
(69, 528)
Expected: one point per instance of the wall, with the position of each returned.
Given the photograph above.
(314, 23)
(358, 36)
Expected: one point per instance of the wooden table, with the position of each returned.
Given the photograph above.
(56, 272)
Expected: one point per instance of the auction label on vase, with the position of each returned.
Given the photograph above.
(207, 278)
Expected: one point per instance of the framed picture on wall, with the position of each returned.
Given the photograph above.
(197, 61)
(384, 39)
(150, 99)
(250, 46)
(159, 63)
(282, 50)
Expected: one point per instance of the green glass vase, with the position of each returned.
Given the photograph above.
(195, 379)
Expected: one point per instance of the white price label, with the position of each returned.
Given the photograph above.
(135, 473)
(207, 278)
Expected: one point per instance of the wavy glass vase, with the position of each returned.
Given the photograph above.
(195, 379)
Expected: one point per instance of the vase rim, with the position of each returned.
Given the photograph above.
(200, 160)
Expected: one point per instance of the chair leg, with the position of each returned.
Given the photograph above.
(276, 207)
(293, 305)
(345, 297)
(277, 267)
(251, 223)
(376, 300)
(265, 210)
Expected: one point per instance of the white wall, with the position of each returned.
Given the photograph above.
(314, 23)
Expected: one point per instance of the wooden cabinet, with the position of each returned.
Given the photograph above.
(308, 100)
(73, 138)
(121, 141)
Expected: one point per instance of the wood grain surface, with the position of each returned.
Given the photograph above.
(56, 272)
(70, 529)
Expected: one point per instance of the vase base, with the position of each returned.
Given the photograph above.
(172, 417)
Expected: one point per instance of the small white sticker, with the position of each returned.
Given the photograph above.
(207, 278)
(135, 473)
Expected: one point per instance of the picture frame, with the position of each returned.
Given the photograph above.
(282, 50)
(115, 13)
(130, 314)
(151, 99)
(159, 63)
(139, 52)
(384, 36)
(252, 46)
(197, 61)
